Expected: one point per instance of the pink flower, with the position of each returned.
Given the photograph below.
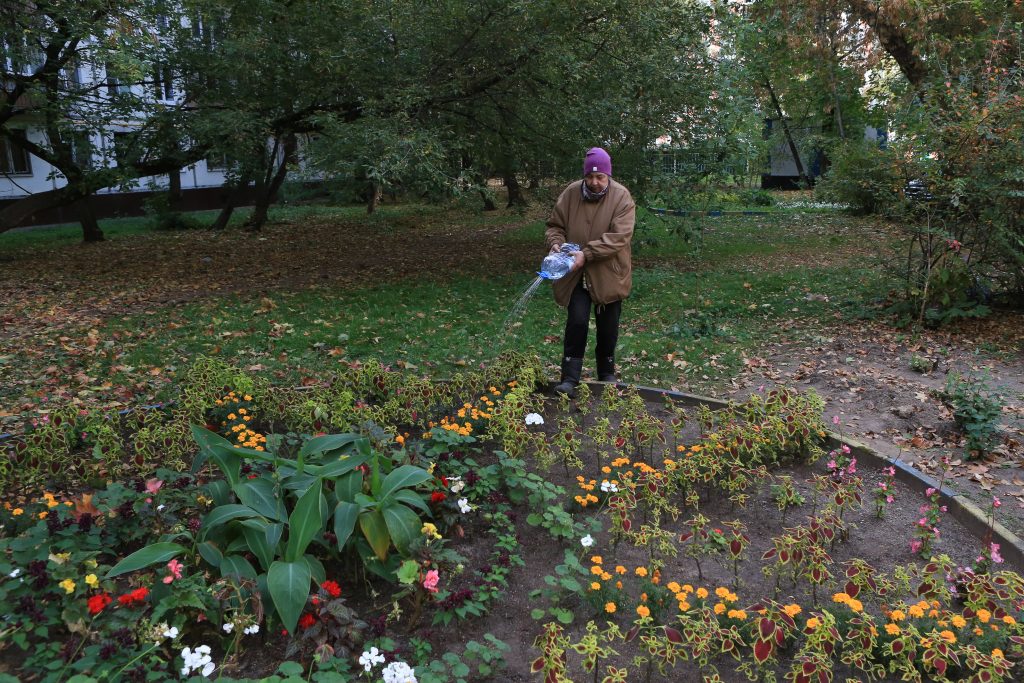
(915, 546)
(430, 581)
(852, 468)
(846, 449)
(174, 567)
(831, 464)
(942, 509)
(996, 502)
(994, 553)
(891, 471)
(922, 522)
(153, 485)
(889, 499)
(835, 419)
(929, 491)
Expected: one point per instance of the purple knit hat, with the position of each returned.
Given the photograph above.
(597, 161)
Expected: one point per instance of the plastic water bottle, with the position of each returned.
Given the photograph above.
(556, 265)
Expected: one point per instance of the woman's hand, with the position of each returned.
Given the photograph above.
(578, 259)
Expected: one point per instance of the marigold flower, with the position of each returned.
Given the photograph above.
(897, 615)
(997, 653)
(813, 623)
(641, 571)
(619, 569)
(595, 586)
(841, 598)
(792, 609)
(596, 559)
(984, 615)
(915, 611)
(17, 511)
(683, 605)
(721, 591)
(948, 636)
(1009, 621)
(605, 576)
(892, 629)
(719, 607)
(855, 605)
(596, 570)
(958, 621)
(737, 614)
(610, 607)
(643, 611)
(702, 592)
(673, 586)
(43, 514)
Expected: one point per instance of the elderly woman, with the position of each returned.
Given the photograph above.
(597, 213)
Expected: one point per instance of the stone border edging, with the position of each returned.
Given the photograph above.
(1011, 547)
(714, 213)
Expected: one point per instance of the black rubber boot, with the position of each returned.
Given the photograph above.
(572, 368)
(606, 369)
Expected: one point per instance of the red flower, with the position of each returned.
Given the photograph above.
(307, 620)
(135, 597)
(315, 600)
(332, 588)
(98, 602)
(437, 497)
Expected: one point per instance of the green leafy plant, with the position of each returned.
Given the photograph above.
(976, 409)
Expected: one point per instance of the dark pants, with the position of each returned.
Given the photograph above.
(578, 321)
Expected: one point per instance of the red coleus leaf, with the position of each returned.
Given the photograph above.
(626, 525)
(897, 646)
(735, 547)
(762, 651)
(632, 633)
(766, 628)
(685, 536)
(673, 635)
(852, 589)
(768, 554)
(537, 665)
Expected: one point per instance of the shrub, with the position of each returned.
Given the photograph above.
(862, 176)
(976, 408)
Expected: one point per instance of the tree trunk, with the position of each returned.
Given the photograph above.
(515, 192)
(174, 194)
(894, 40)
(789, 137)
(267, 191)
(233, 199)
(373, 197)
(91, 231)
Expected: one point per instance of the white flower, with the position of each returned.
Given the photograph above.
(608, 487)
(371, 658)
(14, 574)
(534, 419)
(398, 672)
(251, 630)
(464, 505)
(200, 659)
(228, 627)
(587, 541)
(171, 632)
(160, 507)
(458, 485)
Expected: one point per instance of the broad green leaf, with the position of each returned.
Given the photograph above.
(304, 522)
(214, 446)
(288, 584)
(274, 533)
(238, 566)
(257, 542)
(261, 496)
(225, 513)
(347, 486)
(211, 553)
(330, 442)
(375, 529)
(408, 572)
(345, 516)
(316, 568)
(338, 468)
(402, 477)
(158, 553)
(410, 497)
(403, 524)
(219, 491)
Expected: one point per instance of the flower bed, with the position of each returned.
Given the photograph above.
(347, 530)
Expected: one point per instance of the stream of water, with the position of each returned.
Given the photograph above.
(518, 308)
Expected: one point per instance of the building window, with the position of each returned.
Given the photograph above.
(125, 152)
(217, 162)
(14, 158)
(115, 82)
(81, 149)
(163, 82)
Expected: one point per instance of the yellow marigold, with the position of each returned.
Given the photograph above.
(958, 621)
(855, 605)
(993, 627)
(984, 615)
(719, 607)
(673, 586)
(680, 448)
(232, 416)
(609, 607)
(997, 653)
(596, 570)
(618, 584)
(683, 605)
(606, 469)
(792, 609)
(978, 631)
(595, 586)
(687, 588)
(721, 591)
(247, 397)
(915, 611)
(841, 598)
(17, 511)
(605, 576)
(1009, 621)
(68, 585)
(643, 611)
(597, 559)
(643, 597)
(702, 592)
(948, 636)
(641, 571)
(892, 629)
(430, 531)
(400, 440)
(737, 614)
(897, 615)
(813, 623)
(43, 514)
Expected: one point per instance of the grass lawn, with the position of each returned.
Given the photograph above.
(423, 287)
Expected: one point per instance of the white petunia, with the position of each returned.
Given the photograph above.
(171, 632)
(587, 541)
(608, 487)
(251, 630)
(457, 484)
(198, 660)
(160, 507)
(370, 659)
(398, 672)
(228, 627)
(14, 574)
(534, 419)
(464, 505)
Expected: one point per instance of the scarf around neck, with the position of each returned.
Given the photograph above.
(590, 196)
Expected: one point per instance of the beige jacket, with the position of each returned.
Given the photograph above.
(604, 230)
